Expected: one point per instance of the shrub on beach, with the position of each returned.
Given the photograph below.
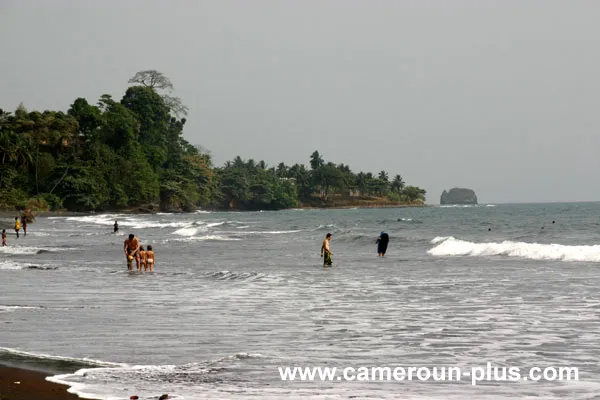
(53, 202)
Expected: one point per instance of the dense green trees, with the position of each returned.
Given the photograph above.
(131, 154)
(252, 185)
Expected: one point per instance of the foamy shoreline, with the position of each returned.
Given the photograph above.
(18, 383)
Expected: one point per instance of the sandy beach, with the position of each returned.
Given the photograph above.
(22, 384)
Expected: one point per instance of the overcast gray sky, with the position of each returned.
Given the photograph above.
(499, 96)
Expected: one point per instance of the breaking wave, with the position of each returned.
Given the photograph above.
(126, 221)
(206, 237)
(451, 246)
(104, 380)
(25, 250)
(5, 264)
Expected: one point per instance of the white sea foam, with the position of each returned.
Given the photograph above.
(15, 308)
(5, 264)
(212, 224)
(450, 246)
(78, 389)
(38, 233)
(188, 231)
(103, 219)
(27, 250)
(439, 239)
(202, 238)
(18, 250)
(43, 356)
(152, 224)
(143, 380)
(214, 237)
(264, 232)
(127, 221)
(325, 226)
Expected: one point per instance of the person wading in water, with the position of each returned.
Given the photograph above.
(326, 251)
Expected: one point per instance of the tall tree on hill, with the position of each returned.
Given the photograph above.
(158, 81)
(153, 116)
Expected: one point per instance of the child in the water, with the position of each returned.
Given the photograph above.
(143, 264)
(150, 258)
(3, 237)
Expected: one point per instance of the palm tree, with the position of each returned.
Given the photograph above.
(282, 170)
(251, 165)
(397, 184)
(383, 176)
(238, 162)
(316, 160)
(362, 182)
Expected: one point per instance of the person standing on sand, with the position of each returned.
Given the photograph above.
(326, 251)
(382, 243)
(131, 247)
(17, 226)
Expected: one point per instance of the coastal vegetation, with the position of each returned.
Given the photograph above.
(131, 155)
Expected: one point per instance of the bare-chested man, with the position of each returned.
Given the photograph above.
(131, 248)
(326, 251)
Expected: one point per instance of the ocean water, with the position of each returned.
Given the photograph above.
(235, 295)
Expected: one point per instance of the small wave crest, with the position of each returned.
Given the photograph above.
(146, 381)
(206, 238)
(135, 222)
(26, 250)
(236, 276)
(190, 231)
(15, 308)
(322, 227)
(7, 353)
(459, 205)
(5, 264)
(451, 246)
(18, 250)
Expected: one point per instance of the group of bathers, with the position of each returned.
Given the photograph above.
(144, 259)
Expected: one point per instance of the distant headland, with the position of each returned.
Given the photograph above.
(130, 155)
(458, 196)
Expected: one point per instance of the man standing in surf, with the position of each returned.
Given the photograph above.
(382, 243)
(326, 252)
(131, 248)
